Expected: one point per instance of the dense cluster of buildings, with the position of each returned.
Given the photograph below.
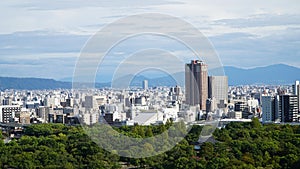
(204, 98)
(121, 107)
(281, 105)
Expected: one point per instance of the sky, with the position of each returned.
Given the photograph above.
(45, 38)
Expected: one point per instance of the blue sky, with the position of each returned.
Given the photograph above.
(44, 38)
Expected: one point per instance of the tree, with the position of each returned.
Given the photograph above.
(149, 132)
(239, 145)
(255, 123)
(1, 139)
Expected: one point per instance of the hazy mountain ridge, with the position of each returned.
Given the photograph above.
(31, 83)
(273, 74)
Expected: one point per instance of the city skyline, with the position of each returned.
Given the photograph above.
(44, 39)
(150, 84)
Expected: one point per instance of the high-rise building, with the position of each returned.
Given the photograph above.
(175, 91)
(268, 108)
(89, 102)
(8, 113)
(288, 108)
(211, 105)
(218, 88)
(43, 113)
(90, 118)
(145, 84)
(196, 83)
(296, 90)
(277, 115)
(7, 101)
(69, 102)
(93, 102)
(295, 87)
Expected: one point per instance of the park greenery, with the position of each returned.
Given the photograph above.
(239, 145)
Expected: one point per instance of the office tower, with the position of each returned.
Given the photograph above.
(196, 85)
(69, 102)
(8, 113)
(288, 108)
(93, 102)
(296, 90)
(145, 84)
(240, 106)
(277, 115)
(175, 91)
(43, 113)
(268, 108)
(7, 101)
(90, 118)
(89, 102)
(218, 89)
(295, 87)
(140, 101)
(211, 105)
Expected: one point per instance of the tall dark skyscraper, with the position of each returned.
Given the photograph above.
(288, 108)
(196, 83)
(296, 90)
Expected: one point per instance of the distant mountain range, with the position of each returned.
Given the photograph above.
(31, 83)
(270, 75)
(274, 74)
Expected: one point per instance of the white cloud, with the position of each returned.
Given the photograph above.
(246, 33)
(36, 42)
(57, 66)
(262, 20)
(247, 50)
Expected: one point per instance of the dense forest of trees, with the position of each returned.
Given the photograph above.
(240, 145)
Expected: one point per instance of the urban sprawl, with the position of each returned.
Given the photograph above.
(204, 98)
